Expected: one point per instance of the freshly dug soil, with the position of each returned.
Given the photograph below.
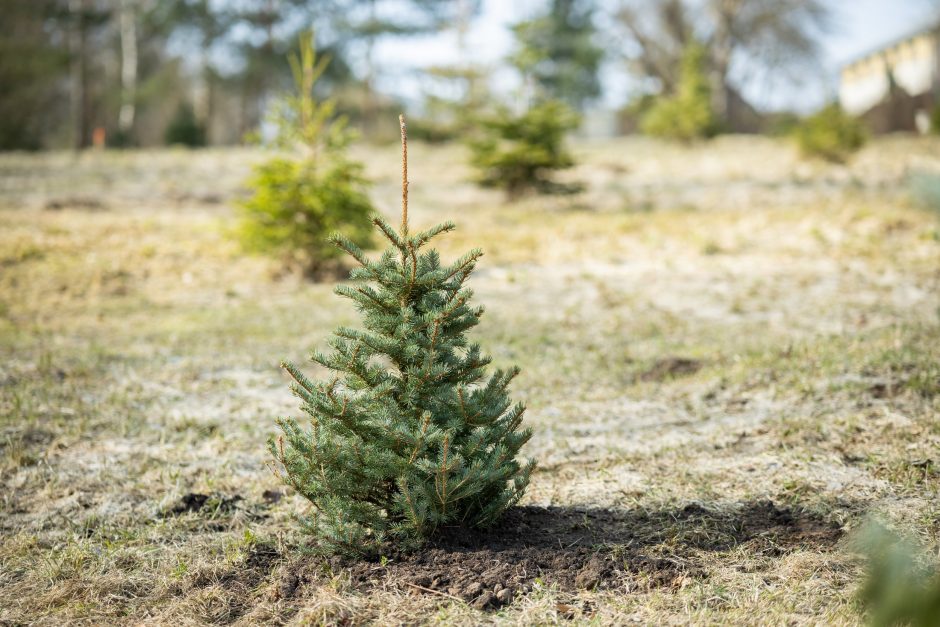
(575, 549)
(671, 368)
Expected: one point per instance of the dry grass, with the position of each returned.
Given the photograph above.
(718, 325)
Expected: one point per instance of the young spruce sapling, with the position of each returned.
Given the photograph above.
(408, 434)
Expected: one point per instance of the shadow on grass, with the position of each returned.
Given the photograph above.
(575, 549)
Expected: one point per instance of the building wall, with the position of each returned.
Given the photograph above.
(912, 63)
(863, 85)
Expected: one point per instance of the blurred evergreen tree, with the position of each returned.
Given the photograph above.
(454, 115)
(831, 134)
(298, 201)
(34, 62)
(207, 24)
(260, 34)
(184, 129)
(519, 152)
(688, 114)
(559, 51)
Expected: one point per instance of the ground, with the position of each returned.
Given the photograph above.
(731, 359)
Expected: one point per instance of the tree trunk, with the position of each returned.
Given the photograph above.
(205, 101)
(722, 50)
(368, 95)
(128, 27)
(464, 16)
(78, 74)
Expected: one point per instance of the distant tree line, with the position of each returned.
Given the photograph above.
(145, 72)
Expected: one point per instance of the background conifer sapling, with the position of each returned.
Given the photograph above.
(408, 434)
(688, 114)
(299, 199)
(520, 152)
(184, 129)
(831, 134)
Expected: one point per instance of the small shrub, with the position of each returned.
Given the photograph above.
(407, 435)
(830, 134)
(518, 153)
(901, 589)
(184, 129)
(688, 114)
(935, 120)
(299, 200)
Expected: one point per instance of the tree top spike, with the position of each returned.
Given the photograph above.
(404, 175)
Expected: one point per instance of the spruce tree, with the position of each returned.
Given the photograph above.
(558, 50)
(311, 187)
(831, 134)
(408, 434)
(688, 114)
(519, 152)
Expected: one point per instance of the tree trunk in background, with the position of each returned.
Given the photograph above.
(78, 71)
(203, 102)
(128, 27)
(257, 81)
(368, 95)
(464, 15)
(722, 47)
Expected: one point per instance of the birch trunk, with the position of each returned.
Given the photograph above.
(128, 27)
(78, 74)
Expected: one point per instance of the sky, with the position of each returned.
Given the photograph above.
(859, 26)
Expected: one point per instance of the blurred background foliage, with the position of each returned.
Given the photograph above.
(130, 73)
(830, 134)
(688, 114)
(517, 153)
(903, 585)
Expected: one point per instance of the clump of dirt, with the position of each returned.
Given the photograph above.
(272, 497)
(671, 367)
(574, 549)
(204, 198)
(28, 436)
(194, 502)
(77, 202)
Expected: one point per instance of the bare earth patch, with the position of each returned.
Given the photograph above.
(584, 549)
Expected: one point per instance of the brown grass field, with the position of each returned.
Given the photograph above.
(731, 359)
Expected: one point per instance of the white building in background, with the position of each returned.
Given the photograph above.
(895, 87)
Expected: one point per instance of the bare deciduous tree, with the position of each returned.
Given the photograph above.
(778, 36)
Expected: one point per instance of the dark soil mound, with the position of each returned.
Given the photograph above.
(577, 549)
(671, 368)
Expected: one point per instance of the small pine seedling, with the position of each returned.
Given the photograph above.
(408, 434)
